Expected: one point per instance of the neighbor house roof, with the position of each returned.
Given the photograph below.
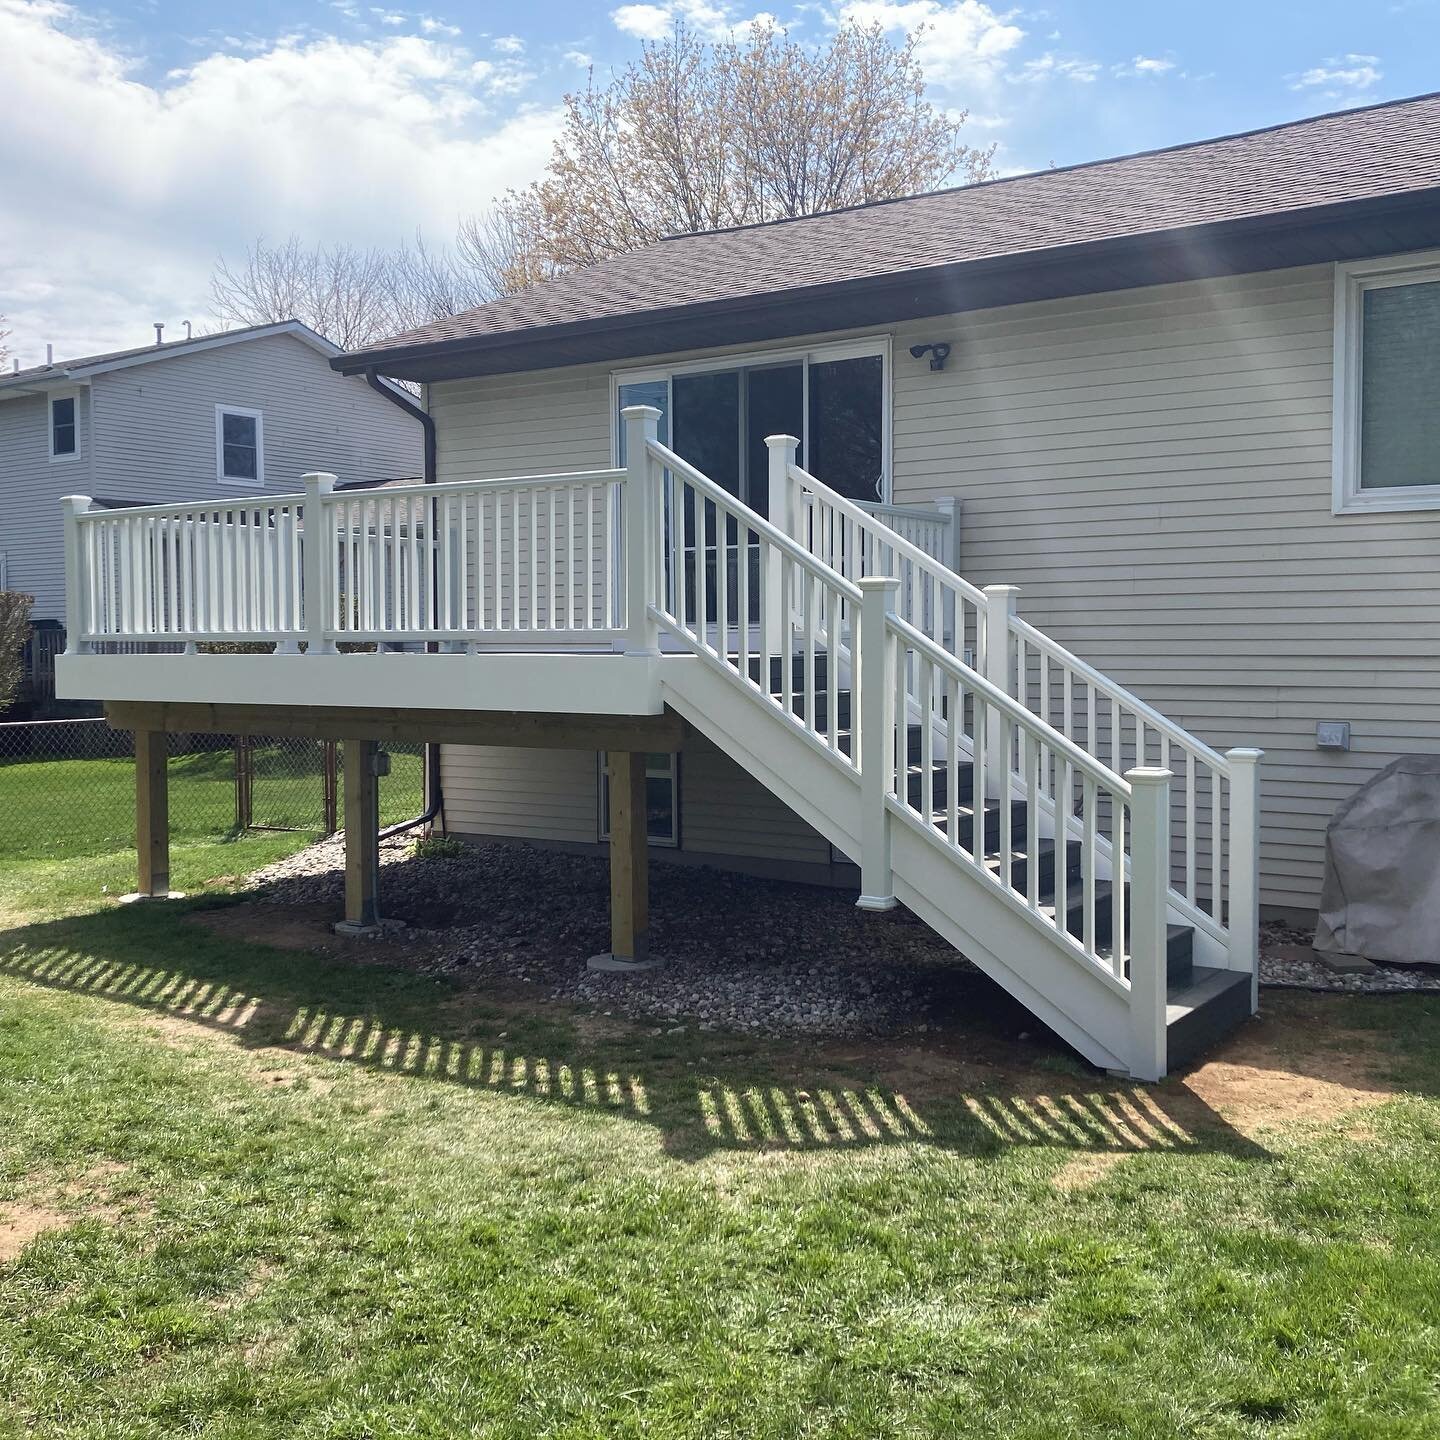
(40, 376)
(1312, 170)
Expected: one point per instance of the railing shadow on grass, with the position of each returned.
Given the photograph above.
(397, 1023)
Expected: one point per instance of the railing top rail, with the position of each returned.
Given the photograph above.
(907, 512)
(897, 543)
(189, 507)
(775, 536)
(1152, 717)
(978, 685)
(447, 487)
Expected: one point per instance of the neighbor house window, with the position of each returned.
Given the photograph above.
(64, 428)
(239, 446)
(1387, 384)
(661, 810)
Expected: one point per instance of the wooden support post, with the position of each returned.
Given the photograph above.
(152, 813)
(629, 867)
(362, 838)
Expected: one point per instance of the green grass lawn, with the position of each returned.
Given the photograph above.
(281, 1195)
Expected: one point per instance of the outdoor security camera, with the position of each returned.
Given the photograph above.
(938, 353)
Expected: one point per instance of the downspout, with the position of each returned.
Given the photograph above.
(434, 794)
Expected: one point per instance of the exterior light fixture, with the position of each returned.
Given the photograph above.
(938, 354)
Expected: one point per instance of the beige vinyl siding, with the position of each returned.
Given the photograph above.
(527, 793)
(1153, 468)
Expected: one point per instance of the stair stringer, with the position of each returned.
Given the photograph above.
(1088, 1010)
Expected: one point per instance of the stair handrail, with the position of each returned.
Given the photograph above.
(1004, 733)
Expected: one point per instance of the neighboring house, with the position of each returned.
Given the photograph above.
(232, 414)
(1185, 401)
(1191, 408)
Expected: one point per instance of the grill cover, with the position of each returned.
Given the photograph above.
(1381, 897)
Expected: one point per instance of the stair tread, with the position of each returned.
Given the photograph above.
(1207, 983)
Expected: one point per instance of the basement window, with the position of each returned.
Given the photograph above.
(1387, 385)
(239, 446)
(661, 799)
(64, 427)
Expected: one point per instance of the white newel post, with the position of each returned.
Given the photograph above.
(642, 526)
(782, 510)
(876, 755)
(1149, 888)
(949, 507)
(319, 562)
(1001, 603)
(76, 621)
(1245, 866)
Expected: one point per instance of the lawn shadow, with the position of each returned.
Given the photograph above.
(703, 1092)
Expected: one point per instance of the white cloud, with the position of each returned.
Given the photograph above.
(1340, 77)
(1058, 67)
(580, 58)
(645, 22)
(655, 22)
(509, 44)
(965, 42)
(328, 139)
(431, 26)
(1144, 67)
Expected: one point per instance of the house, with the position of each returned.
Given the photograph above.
(968, 549)
(205, 417)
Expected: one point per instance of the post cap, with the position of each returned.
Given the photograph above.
(1002, 590)
(1149, 775)
(323, 478)
(779, 442)
(1244, 755)
(879, 582)
(640, 412)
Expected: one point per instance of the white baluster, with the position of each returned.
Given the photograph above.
(1149, 884)
(877, 726)
(1001, 602)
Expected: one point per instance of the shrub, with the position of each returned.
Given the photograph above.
(439, 847)
(14, 631)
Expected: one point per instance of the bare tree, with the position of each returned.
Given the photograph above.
(4, 336)
(350, 296)
(698, 135)
(14, 631)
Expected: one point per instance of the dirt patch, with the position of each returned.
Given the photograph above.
(20, 1224)
(1084, 1171)
(285, 927)
(1292, 1066)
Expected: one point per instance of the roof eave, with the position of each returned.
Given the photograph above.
(1201, 243)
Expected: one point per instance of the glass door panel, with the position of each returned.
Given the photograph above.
(847, 425)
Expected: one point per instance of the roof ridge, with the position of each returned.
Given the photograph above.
(1051, 170)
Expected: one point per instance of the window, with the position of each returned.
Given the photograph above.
(717, 413)
(1387, 385)
(661, 809)
(239, 446)
(64, 427)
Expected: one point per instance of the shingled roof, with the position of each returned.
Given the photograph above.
(1309, 165)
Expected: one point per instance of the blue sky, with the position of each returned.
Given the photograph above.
(143, 138)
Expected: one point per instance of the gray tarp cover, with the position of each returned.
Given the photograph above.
(1382, 868)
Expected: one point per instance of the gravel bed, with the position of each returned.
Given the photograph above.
(741, 953)
(1291, 971)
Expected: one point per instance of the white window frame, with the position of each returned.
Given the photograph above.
(1352, 280)
(239, 481)
(50, 400)
(670, 842)
(737, 360)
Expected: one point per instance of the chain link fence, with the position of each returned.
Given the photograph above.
(67, 787)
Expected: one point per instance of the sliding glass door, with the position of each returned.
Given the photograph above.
(717, 416)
